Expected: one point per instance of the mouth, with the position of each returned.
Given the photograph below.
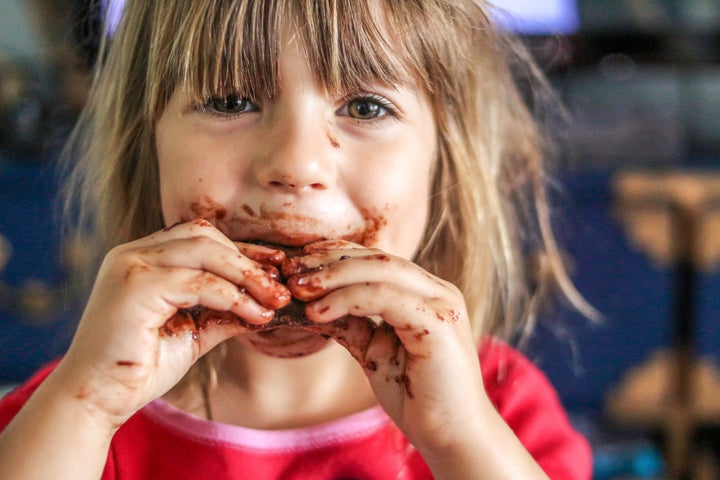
(286, 230)
(290, 250)
(285, 241)
(287, 342)
(290, 222)
(290, 226)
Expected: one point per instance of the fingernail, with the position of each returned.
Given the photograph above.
(306, 287)
(293, 266)
(282, 299)
(272, 271)
(318, 308)
(267, 315)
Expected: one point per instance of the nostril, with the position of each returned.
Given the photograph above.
(275, 183)
(286, 183)
(303, 181)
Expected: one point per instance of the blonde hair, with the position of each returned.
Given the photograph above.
(488, 204)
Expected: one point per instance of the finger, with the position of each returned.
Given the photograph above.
(204, 253)
(188, 345)
(328, 245)
(381, 354)
(263, 254)
(352, 269)
(207, 333)
(415, 319)
(315, 259)
(353, 333)
(385, 359)
(319, 253)
(216, 333)
(376, 347)
(169, 289)
(193, 228)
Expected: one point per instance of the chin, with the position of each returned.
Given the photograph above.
(286, 342)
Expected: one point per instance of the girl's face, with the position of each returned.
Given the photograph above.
(303, 166)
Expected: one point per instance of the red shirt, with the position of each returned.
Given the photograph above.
(162, 442)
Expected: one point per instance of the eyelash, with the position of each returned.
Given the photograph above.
(205, 107)
(390, 111)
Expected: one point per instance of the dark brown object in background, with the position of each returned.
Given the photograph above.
(685, 200)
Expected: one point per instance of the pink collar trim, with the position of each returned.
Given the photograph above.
(358, 425)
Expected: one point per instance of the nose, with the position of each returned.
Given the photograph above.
(300, 155)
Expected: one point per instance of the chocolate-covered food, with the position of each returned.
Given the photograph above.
(291, 315)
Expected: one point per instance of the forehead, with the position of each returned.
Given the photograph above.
(237, 44)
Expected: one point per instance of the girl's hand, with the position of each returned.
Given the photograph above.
(418, 351)
(132, 345)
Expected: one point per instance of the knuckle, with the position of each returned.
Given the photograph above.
(199, 224)
(124, 265)
(380, 294)
(115, 255)
(135, 272)
(201, 242)
(454, 290)
(203, 280)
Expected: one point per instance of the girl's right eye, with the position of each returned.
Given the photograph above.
(229, 105)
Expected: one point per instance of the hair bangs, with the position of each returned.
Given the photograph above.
(226, 47)
(223, 46)
(350, 45)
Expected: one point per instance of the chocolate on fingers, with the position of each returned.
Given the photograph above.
(280, 263)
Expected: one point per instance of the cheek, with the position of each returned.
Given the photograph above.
(182, 178)
(395, 199)
(407, 225)
(169, 177)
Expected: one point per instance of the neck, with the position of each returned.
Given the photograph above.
(261, 375)
(278, 393)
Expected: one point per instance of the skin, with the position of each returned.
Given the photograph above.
(299, 170)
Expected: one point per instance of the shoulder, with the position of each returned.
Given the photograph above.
(529, 404)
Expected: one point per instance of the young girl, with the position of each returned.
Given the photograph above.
(366, 162)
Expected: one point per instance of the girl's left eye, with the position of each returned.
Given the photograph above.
(230, 105)
(367, 108)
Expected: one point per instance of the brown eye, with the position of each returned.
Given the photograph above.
(231, 104)
(365, 109)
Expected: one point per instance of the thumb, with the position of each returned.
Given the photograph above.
(353, 333)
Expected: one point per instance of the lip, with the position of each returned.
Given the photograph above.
(280, 238)
(291, 226)
(287, 342)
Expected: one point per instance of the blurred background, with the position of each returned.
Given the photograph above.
(636, 205)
